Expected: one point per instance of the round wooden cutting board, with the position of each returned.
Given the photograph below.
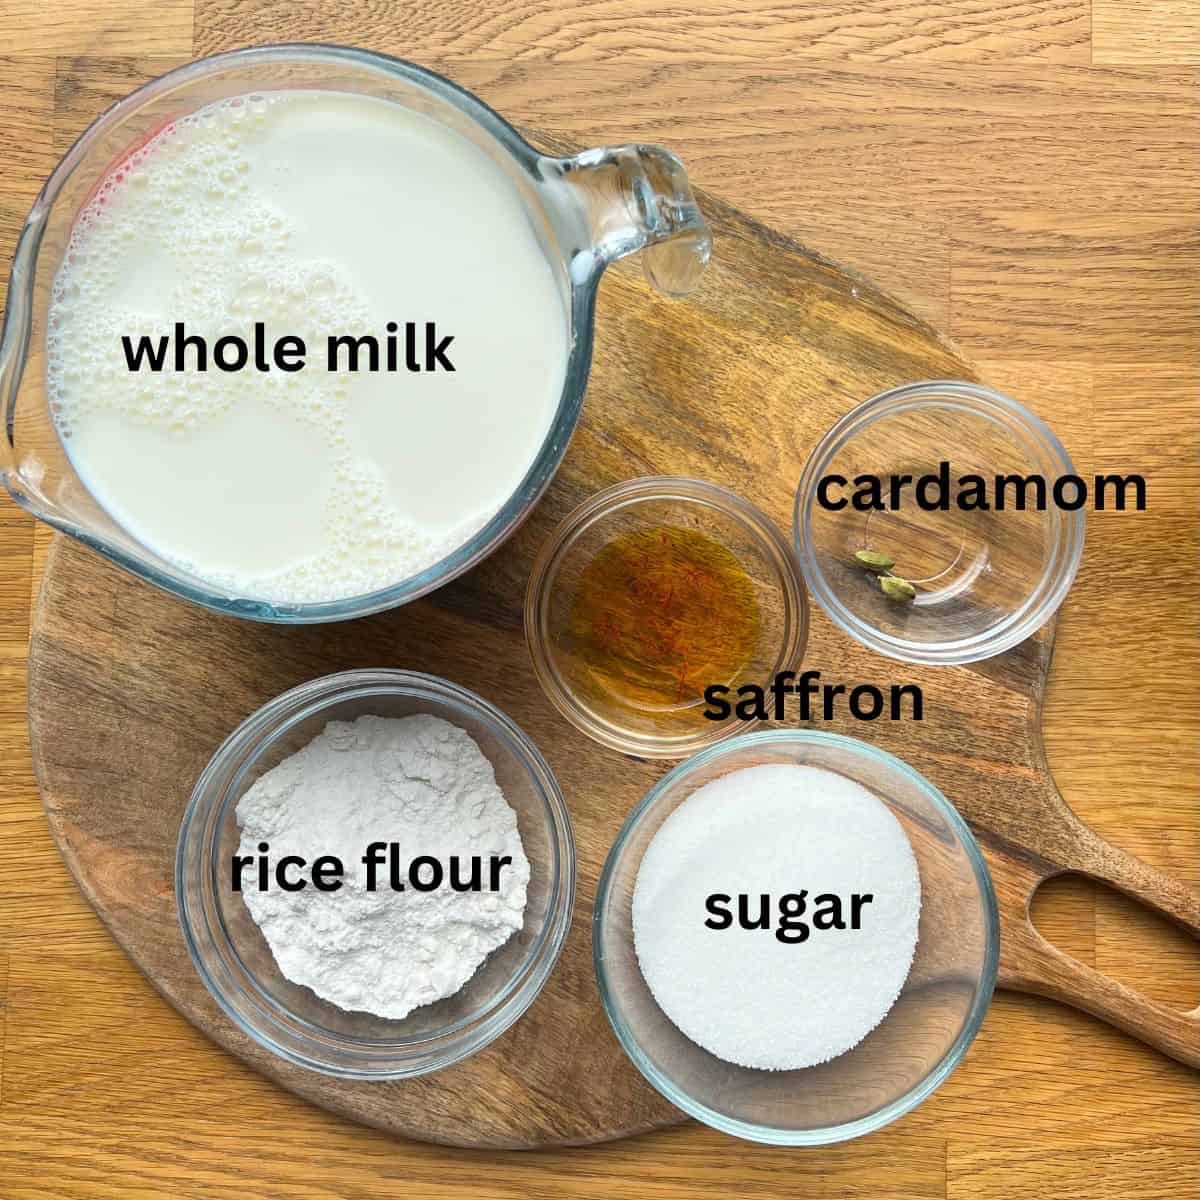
(131, 691)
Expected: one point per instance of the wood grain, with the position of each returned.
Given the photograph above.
(711, 31)
(115, 27)
(879, 164)
(1134, 1168)
(1149, 33)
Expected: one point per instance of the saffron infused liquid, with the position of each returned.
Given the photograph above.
(660, 614)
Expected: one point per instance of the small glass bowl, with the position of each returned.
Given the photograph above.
(985, 581)
(234, 960)
(658, 503)
(916, 1046)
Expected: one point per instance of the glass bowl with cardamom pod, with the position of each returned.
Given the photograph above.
(940, 522)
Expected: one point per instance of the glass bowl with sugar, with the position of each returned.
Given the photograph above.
(796, 937)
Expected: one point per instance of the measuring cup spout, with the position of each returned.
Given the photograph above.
(34, 468)
(14, 345)
(638, 198)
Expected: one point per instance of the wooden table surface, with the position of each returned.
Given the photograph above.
(1025, 174)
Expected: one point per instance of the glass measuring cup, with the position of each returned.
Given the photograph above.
(586, 210)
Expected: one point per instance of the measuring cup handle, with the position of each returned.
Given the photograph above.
(638, 198)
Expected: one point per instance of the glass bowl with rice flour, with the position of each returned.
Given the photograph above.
(879, 1022)
(235, 960)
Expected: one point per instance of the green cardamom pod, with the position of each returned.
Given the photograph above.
(895, 588)
(876, 560)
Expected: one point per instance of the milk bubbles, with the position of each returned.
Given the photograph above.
(316, 214)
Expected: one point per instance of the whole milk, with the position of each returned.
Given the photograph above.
(319, 214)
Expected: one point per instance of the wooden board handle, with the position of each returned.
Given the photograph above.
(1032, 964)
(1156, 890)
(1046, 971)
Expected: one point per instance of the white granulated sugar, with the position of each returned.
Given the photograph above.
(418, 781)
(777, 829)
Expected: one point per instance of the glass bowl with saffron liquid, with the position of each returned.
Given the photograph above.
(652, 604)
